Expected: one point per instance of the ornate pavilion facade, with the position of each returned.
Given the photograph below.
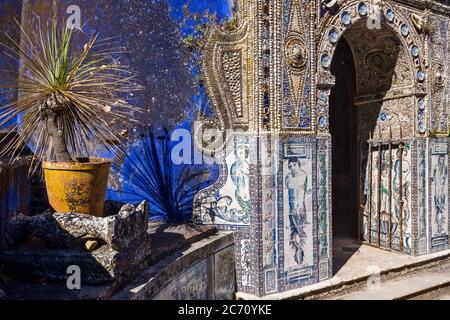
(343, 117)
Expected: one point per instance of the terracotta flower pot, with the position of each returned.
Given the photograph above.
(77, 186)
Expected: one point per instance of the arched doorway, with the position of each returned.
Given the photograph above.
(372, 100)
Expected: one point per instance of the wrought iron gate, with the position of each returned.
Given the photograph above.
(384, 194)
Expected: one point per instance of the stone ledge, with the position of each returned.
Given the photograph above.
(99, 266)
(171, 240)
(153, 280)
(44, 246)
(166, 238)
(120, 228)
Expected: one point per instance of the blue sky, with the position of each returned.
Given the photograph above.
(222, 7)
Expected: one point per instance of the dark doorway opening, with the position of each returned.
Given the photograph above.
(343, 133)
(344, 158)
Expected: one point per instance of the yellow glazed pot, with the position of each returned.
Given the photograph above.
(77, 186)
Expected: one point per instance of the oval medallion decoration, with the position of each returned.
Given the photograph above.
(415, 51)
(326, 60)
(362, 8)
(379, 62)
(404, 29)
(323, 96)
(296, 53)
(346, 18)
(422, 128)
(333, 36)
(420, 75)
(421, 104)
(323, 122)
(390, 15)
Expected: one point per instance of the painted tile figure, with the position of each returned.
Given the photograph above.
(240, 175)
(396, 194)
(439, 178)
(438, 203)
(384, 223)
(229, 204)
(367, 200)
(297, 185)
(384, 185)
(400, 208)
(404, 214)
(223, 211)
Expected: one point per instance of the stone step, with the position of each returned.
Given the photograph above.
(355, 264)
(403, 287)
(440, 294)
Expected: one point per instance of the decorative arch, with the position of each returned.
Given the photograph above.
(227, 69)
(339, 24)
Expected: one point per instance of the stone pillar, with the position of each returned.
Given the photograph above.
(260, 79)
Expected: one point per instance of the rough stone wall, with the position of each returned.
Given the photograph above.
(203, 271)
(14, 191)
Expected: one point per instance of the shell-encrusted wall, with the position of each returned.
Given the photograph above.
(275, 184)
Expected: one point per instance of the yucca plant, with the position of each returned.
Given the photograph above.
(67, 97)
